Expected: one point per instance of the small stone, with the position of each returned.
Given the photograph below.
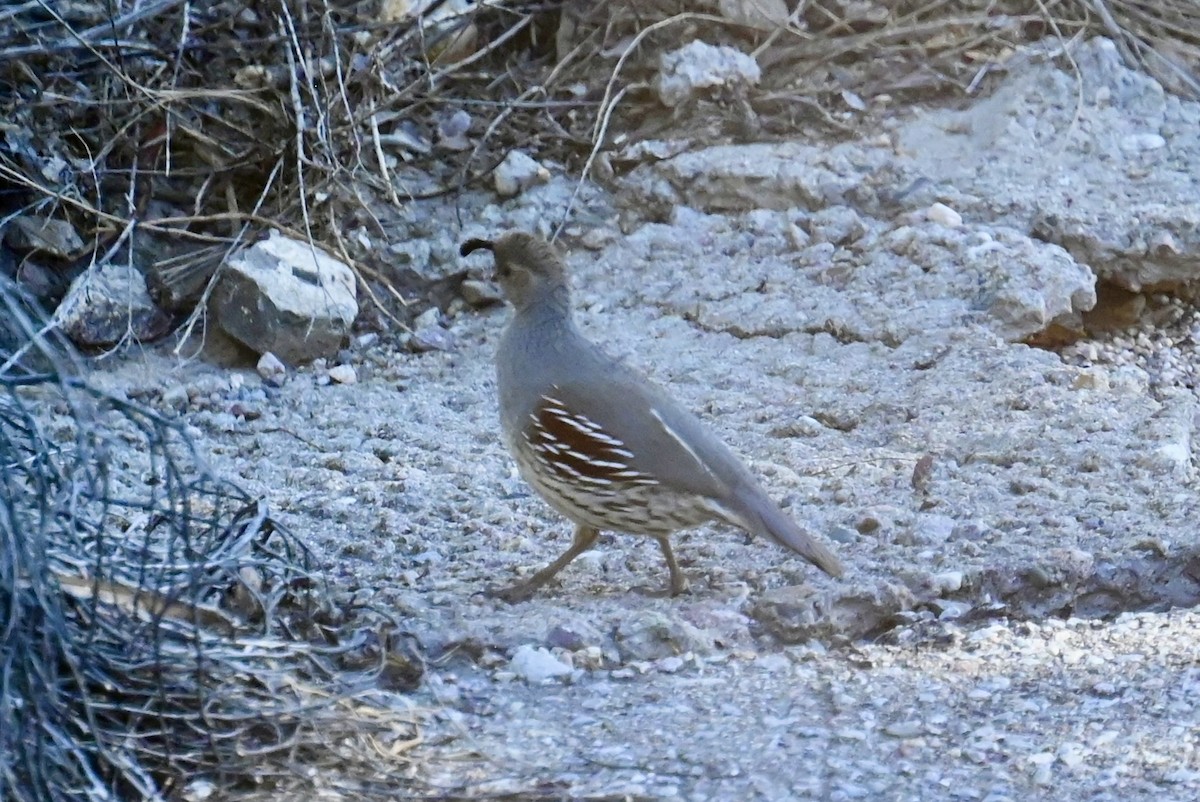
(597, 239)
(431, 338)
(935, 529)
(773, 663)
(452, 131)
(947, 582)
(842, 534)
(198, 790)
(1136, 143)
(108, 304)
(343, 374)
(517, 173)
(271, 369)
(1182, 776)
(699, 65)
(838, 225)
(537, 665)
(905, 729)
(948, 610)
(1091, 379)
(46, 234)
(175, 397)
(650, 635)
(562, 638)
(670, 665)
(1071, 754)
(944, 215)
(869, 522)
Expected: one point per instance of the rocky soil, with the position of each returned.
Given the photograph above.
(1019, 523)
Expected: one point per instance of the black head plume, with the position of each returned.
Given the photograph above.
(472, 245)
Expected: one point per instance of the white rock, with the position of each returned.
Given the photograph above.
(343, 374)
(517, 173)
(272, 370)
(943, 214)
(947, 581)
(198, 790)
(1143, 142)
(1177, 456)
(699, 65)
(670, 665)
(286, 297)
(935, 529)
(536, 664)
(904, 729)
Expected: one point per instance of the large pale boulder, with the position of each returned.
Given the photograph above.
(286, 297)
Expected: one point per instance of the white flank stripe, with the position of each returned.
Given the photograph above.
(586, 427)
(579, 423)
(599, 463)
(572, 421)
(568, 469)
(682, 443)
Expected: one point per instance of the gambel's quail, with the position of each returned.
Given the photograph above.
(601, 443)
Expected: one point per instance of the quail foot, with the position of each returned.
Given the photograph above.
(602, 444)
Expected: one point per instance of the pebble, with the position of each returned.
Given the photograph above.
(198, 790)
(838, 225)
(175, 397)
(271, 369)
(936, 529)
(536, 665)
(943, 214)
(343, 374)
(670, 665)
(1143, 142)
(947, 581)
(518, 172)
(905, 729)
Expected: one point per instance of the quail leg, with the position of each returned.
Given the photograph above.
(678, 583)
(585, 538)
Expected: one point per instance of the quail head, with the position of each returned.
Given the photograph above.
(602, 444)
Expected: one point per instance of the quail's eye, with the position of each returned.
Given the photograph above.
(503, 271)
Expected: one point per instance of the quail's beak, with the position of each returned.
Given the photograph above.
(472, 245)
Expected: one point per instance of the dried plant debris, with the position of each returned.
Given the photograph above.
(165, 134)
(158, 628)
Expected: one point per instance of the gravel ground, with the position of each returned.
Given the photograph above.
(1006, 629)
(1075, 709)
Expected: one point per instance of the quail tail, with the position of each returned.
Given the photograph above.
(760, 515)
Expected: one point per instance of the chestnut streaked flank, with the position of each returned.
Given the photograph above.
(602, 444)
